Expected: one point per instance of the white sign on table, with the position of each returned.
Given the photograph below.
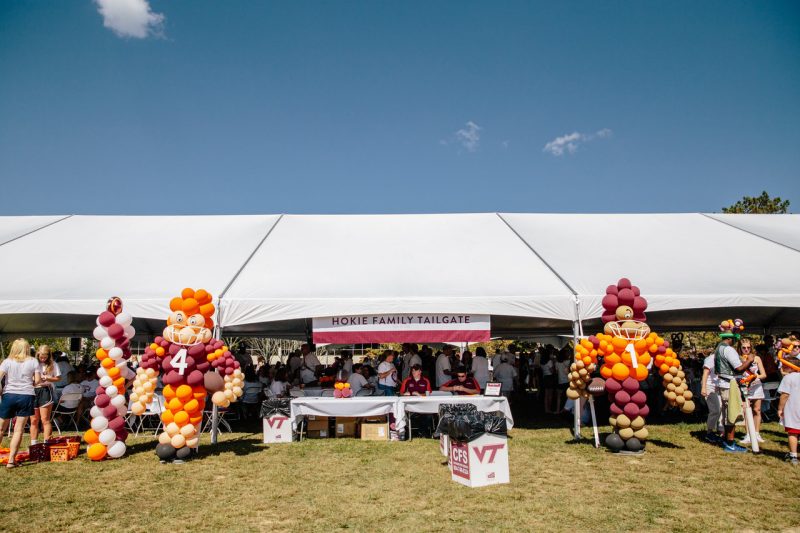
(493, 389)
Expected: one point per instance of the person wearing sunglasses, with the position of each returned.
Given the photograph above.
(461, 385)
(755, 390)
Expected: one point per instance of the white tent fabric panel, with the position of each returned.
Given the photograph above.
(74, 266)
(783, 229)
(324, 265)
(12, 227)
(679, 261)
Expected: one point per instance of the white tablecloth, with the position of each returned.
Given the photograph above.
(396, 405)
(356, 406)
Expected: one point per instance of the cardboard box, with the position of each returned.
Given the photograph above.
(317, 434)
(346, 426)
(373, 431)
(481, 462)
(317, 424)
(277, 429)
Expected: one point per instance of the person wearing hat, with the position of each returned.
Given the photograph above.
(727, 365)
(415, 384)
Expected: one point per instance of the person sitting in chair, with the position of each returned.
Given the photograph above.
(461, 385)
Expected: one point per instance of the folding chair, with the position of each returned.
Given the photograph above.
(154, 409)
(769, 409)
(70, 413)
(222, 423)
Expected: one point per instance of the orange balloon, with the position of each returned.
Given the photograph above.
(202, 296)
(169, 392)
(626, 358)
(107, 363)
(113, 372)
(653, 348)
(199, 392)
(183, 392)
(91, 436)
(101, 354)
(119, 383)
(641, 373)
(620, 371)
(175, 405)
(664, 368)
(187, 293)
(644, 359)
(613, 359)
(190, 306)
(181, 418)
(160, 351)
(96, 451)
(192, 406)
(207, 310)
(640, 345)
(175, 304)
(196, 420)
(605, 372)
(660, 359)
(167, 417)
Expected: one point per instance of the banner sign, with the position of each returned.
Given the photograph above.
(357, 329)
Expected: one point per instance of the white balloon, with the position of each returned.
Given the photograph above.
(102, 372)
(95, 411)
(118, 400)
(99, 423)
(124, 319)
(116, 450)
(107, 437)
(106, 381)
(112, 391)
(130, 332)
(115, 353)
(122, 410)
(128, 372)
(100, 333)
(107, 343)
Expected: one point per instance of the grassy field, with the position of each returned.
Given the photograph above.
(680, 484)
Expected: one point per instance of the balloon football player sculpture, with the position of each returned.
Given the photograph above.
(626, 352)
(193, 365)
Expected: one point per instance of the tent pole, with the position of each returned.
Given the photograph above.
(577, 408)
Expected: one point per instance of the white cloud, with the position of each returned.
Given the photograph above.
(568, 144)
(130, 18)
(469, 136)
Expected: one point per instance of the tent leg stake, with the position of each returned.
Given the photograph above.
(594, 423)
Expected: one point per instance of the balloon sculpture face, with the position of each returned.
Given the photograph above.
(626, 352)
(193, 364)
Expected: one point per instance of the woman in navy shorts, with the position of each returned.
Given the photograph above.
(22, 374)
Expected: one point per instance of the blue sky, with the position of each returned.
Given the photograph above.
(190, 106)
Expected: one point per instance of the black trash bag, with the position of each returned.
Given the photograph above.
(468, 427)
(275, 406)
(446, 413)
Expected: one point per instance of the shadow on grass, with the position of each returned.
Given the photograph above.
(242, 445)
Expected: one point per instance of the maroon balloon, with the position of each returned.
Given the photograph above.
(116, 424)
(203, 366)
(109, 411)
(236, 364)
(172, 377)
(115, 331)
(624, 283)
(122, 434)
(612, 385)
(616, 411)
(631, 410)
(622, 397)
(644, 410)
(166, 363)
(209, 348)
(228, 371)
(612, 289)
(610, 301)
(609, 318)
(639, 304)
(106, 319)
(174, 349)
(636, 290)
(158, 340)
(630, 385)
(196, 349)
(626, 297)
(640, 398)
(99, 391)
(195, 378)
(123, 343)
(102, 400)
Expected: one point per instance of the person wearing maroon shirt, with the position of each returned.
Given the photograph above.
(461, 385)
(415, 384)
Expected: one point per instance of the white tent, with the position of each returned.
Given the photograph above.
(533, 273)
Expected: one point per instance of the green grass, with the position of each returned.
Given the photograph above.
(680, 484)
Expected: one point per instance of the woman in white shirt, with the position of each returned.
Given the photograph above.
(279, 386)
(22, 374)
(45, 394)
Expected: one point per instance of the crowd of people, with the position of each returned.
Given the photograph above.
(34, 381)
